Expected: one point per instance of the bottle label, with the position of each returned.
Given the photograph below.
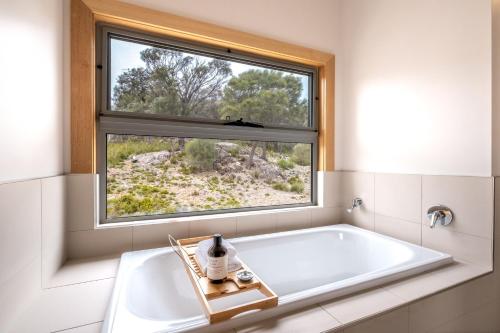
(217, 268)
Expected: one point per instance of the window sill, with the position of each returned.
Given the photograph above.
(220, 217)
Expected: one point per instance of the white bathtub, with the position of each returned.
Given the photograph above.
(152, 292)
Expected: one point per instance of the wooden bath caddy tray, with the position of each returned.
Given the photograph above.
(207, 291)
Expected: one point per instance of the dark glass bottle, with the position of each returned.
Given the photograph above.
(217, 261)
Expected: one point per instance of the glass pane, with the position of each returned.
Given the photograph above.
(148, 175)
(163, 81)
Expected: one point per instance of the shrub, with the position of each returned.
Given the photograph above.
(201, 154)
(235, 152)
(296, 185)
(118, 152)
(186, 170)
(302, 154)
(232, 202)
(128, 204)
(281, 186)
(213, 181)
(145, 190)
(286, 164)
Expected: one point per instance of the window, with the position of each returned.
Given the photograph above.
(186, 129)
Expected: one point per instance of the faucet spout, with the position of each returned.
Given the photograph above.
(356, 202)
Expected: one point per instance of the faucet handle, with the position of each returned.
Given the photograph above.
(356, 202)
(441, 214)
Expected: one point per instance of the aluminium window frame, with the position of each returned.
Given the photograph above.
(142, 124)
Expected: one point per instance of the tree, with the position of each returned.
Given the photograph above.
(265, 96)
(172, 83)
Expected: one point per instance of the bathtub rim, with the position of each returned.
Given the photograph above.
(286, 303)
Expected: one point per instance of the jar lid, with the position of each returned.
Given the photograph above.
(244, 276)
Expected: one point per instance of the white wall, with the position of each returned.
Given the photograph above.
(416, 80)
(307, 23)
(31, 126)
(496, 87)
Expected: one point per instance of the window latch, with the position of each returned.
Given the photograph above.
(240, 122)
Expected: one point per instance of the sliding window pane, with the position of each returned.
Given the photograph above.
(166, 81)
(148, 175)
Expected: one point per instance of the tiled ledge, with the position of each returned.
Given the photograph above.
(351, 309)
(78, 294)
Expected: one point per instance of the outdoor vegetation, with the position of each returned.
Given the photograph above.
(160, 175)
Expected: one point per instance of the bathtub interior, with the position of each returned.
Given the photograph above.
(162, 292)
(292, 263)
(161, 283)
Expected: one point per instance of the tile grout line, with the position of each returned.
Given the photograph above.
(408, 317)
(331, 315)
(421, 206)
(41, 237)
(374, 201)
(81, 282)
(133, 233)
(71, 328)
(398, 218)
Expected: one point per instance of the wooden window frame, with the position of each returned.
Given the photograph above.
(85, 14)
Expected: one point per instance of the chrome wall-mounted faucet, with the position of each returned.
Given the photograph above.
(439, 214)
(356, 202)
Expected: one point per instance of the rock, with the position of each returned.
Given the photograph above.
(224, 149)
(228, 165)
(147, 159)
(227, 146)
(267, 170)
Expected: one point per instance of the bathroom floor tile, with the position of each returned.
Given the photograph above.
(395, 321)
(67, 307)
(428, 283)
(310, 320)
(482, 319)
(355, 307)
(85, 270)
(418, 286)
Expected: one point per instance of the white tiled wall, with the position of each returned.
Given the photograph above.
(20, 248)
(393, 204)
(471, 307)
(357, 184)
(34, 219)
(54, 201)
(397, 205)
(32, 242)
(86, 241)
